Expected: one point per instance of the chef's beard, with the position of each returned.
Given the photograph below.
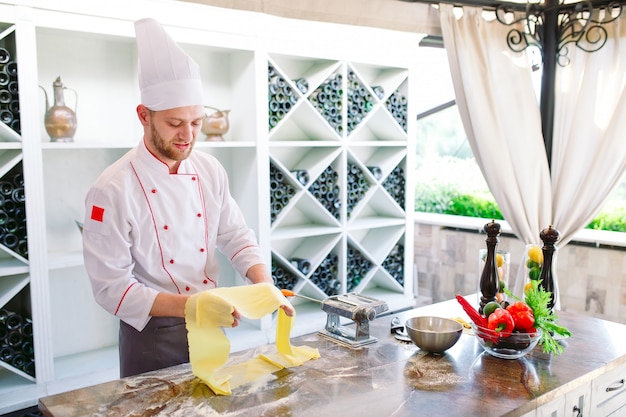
(166, 149)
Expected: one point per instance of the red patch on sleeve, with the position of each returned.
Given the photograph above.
(97, 213)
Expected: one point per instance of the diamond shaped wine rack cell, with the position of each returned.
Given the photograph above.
(282, 96)
(328, 101)
(357, 186)
(394, 263)
(10, 127)
(310, 260)
(13, 238)
(357, 267)
(16, 331)
(283, 277)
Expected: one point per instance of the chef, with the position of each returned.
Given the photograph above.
(155, 218)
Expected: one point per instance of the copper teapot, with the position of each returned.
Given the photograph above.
(60, 120)
(216, 124)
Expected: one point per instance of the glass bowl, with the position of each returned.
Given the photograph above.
(514, 346)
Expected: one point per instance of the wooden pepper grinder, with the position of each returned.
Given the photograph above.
(489, 281)
(549, 237)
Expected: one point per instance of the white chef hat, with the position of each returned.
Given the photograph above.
(168, 77)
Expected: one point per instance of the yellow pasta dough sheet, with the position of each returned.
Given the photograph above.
(209, 348)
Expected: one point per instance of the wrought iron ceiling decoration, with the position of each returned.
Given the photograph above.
(578, 24)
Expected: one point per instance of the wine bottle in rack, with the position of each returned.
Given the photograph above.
(302, 85)
(301, 264)
(379, 91)
(5, 55)
(302, 176)
(376, 171)
(5, 96)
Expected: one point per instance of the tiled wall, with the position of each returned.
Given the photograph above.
(591, 280)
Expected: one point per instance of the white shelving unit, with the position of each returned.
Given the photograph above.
(370, 152)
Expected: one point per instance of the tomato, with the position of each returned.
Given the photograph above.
(522, 314)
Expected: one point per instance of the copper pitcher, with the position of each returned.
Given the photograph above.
(216, 124)
(60, 120)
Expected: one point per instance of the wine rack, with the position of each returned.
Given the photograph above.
(356, 174)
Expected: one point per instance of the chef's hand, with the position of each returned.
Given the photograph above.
(287, 309)
(236, 317)
(259, 274)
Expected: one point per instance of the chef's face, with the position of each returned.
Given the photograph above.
(172, 133)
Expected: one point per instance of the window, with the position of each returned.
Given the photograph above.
(448, 180)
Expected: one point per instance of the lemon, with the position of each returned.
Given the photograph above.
(499, 260)
(528, 287)
(535, 254)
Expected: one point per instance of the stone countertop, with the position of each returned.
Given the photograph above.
(387, 378)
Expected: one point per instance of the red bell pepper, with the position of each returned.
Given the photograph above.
(523, 316)
(501, 322)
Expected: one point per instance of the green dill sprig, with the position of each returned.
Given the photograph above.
(538, 299)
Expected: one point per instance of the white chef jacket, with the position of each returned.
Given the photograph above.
(148, 231)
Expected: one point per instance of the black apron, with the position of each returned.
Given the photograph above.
(161, 344)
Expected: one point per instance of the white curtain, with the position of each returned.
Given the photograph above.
(589, 150)
(499, 109)
(501, 118)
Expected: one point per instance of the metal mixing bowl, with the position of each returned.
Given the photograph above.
(433, 334)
